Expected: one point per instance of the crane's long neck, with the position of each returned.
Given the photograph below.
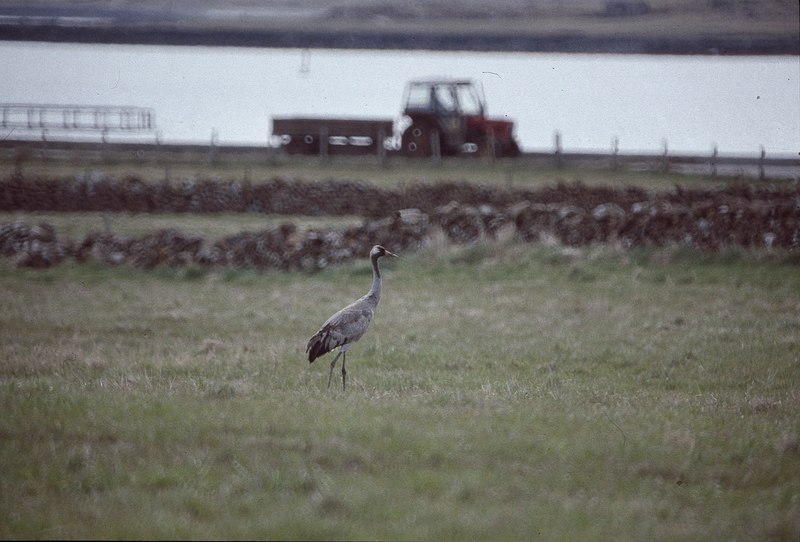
(375, 291)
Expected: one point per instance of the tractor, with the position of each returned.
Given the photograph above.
(448, 118)
(441, 117)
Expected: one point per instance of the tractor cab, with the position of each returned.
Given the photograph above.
(448, 117)
(460, 97)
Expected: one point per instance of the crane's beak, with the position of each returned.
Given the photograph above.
(391, 254)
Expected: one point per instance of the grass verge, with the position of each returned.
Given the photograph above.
(210, 225)
(504, 391)
(518, 173)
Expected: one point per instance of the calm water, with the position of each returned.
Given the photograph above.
(739, 103)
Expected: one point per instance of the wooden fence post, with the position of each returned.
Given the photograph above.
(714, 154)
(106, 152)
(557, 152)
(43, 152)
(492, 145)
(212, 146)
(381, 147)
(436, 146)
(323, 143)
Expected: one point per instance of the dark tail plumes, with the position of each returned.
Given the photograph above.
(317, 345)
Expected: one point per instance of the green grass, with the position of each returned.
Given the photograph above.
(210, 225)
(518, 173)
(504, 391)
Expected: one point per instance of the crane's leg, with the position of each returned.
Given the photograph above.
(333, 364)
(344, 373)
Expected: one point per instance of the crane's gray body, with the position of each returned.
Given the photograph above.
(344, 328)
(349, 324)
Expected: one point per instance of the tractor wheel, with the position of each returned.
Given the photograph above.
(416, 141)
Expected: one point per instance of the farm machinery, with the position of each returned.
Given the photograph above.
(441, 117)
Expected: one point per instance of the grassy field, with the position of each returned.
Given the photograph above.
(505, 391)
(519, 173)
(212, 226)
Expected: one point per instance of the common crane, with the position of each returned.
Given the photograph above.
(349, 324)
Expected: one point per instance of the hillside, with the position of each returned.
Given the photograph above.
(735, 27)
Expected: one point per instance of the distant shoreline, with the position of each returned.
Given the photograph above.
(566, 42)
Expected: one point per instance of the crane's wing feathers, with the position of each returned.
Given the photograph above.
(344, 327)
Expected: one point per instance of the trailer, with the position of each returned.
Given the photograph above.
(332, 136)
(441, 117)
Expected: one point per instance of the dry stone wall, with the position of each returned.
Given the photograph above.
(402, 219)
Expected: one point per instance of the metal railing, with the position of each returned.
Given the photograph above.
(87, 118)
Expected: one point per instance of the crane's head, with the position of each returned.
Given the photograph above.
(378, 251)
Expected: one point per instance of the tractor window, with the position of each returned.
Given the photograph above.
(469, 101)
(445, 100)
(418, 97)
